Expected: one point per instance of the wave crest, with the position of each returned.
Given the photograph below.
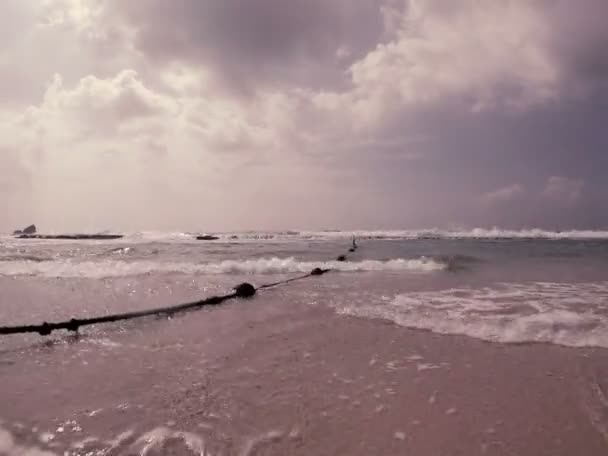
(118, 268)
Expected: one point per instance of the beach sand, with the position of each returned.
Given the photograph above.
(273, 376)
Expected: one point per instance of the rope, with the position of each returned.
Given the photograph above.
(244, 290)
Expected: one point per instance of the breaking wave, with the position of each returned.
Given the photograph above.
(117, 268)
(570, 314)
(476, 233)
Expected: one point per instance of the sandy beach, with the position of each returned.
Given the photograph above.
(272, 376)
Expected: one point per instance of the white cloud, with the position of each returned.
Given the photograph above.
(563, 190)
(481, 54)
(505, 194)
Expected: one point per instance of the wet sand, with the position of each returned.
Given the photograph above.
(273, 376)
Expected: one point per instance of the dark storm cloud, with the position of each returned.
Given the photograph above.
(307, 42)
(580, 40)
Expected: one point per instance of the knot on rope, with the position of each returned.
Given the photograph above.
(44, 329)
(73, 325)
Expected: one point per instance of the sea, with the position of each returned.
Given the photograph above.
(498, 288)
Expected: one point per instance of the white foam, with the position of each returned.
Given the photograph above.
(571, 314)
(252, 444)
(9, 447)
(119, 268)
(152, 442)
(399, 435)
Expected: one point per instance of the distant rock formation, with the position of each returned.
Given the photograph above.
(72, 237)
(207, 237)
(27, 230)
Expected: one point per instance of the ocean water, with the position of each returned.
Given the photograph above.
(387, 353)
(495, 285)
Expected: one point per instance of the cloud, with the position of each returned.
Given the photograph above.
(483, 54)
(504, 195)
(563, 190)
(309, 106)
(101, 106)
(252, 44)
(99, 112)
(16, 177)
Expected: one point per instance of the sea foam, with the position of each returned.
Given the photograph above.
(570, 314)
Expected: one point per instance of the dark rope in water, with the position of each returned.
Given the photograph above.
(244, 290)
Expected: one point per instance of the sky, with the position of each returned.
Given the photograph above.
(223, 115)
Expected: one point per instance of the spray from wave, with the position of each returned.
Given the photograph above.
(117, 268)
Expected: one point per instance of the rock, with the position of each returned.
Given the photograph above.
(318, 271)
(72, 237)
(207, 237)
(341, 258)
(244, 290)
(27, 230)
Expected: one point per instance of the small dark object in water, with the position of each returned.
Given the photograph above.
(72, 237)
(341, 258)
(207, 237)
(27, 230)
(318, 271)
(244, 290)
(352, 249)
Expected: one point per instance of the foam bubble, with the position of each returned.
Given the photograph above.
(118, 268)
(571, 314)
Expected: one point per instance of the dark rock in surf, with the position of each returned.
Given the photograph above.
(207, 237)
(244, 290)
(318, 271)
(341, 258)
